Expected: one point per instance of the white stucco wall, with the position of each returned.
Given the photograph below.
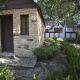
(52, 35)
(72, 35)
(47, 35)
(61, 35)
(69, 29)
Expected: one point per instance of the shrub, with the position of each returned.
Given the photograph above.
(72, 70)
(46, 52)
(59, 74)
(55, 38)
(73, 58)
(6, 73)
(70, 40)
(50, 40)
(78, 33)
(60, 39)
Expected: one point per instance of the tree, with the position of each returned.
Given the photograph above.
(77, 17)
(77, 2)
(4, 1)
(58, 9)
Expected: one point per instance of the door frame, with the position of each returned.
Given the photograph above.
(1, 16)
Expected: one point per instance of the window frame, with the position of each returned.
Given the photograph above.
(24, 30)
(58, 31)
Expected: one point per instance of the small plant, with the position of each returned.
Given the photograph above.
(60, 39)
(6, 73)
(34, 76)
(50, 40)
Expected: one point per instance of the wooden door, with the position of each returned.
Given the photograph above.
(7, 33)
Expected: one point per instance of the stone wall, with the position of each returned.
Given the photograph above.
(41, 30)
(24, 44)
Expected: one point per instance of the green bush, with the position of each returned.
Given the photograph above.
(72, 70)
(78, 33)
(6, 73)
(50, 40)
(70, 40)
(73, 58)
(46, 52)
(59, 74)
(60, 39)
(55, 38)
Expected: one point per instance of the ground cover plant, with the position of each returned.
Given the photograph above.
(72, 70)
(6, 73)
(73, 58)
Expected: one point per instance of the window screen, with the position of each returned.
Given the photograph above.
(24, 25)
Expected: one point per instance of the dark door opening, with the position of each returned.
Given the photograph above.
(7, 33)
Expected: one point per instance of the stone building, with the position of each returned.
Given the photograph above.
(21, 27)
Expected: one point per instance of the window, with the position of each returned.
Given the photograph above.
(58, 30)
(24, 25)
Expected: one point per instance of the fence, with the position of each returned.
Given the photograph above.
(60, 35)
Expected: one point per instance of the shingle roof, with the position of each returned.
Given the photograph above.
(19, 4)
(50, 23)
(62, 23)
(70, 25)
(53, 23)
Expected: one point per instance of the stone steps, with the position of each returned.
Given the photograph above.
(10, 59)
(18, 61)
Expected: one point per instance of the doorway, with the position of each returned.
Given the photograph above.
(7, 33)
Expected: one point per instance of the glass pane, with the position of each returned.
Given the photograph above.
(24, 25)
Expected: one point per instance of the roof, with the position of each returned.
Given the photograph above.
(70, 25)
(23, 4)
(62, 23)
(53, 23)
(20, 4)
(50, 23)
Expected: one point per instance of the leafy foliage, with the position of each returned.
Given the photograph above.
(73, 58)
(46, 52)
(78, 33)
(6, 73)
(72, 70)
(58, 9)
(4, 1)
